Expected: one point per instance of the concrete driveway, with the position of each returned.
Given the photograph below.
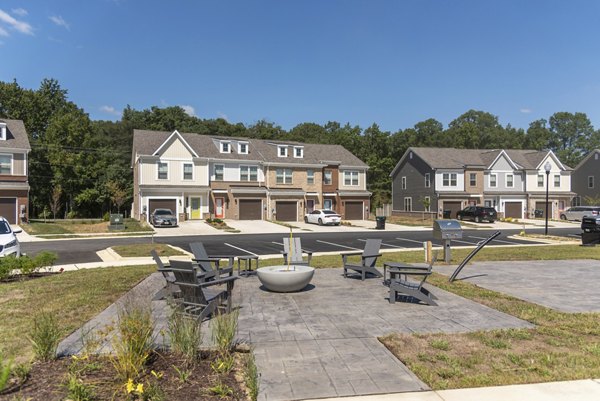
(256, 226)
(190, 227)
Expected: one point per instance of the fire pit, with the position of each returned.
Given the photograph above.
(285, 278)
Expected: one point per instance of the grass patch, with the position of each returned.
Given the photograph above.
(83, 294)
(563, 346)
(92, 226)
(141, 250)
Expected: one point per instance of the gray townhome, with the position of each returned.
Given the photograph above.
(586, 180)
(14, 172)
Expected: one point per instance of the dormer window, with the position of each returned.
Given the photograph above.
(2, 131)
(225, 147)
(282, 151)
(242, 148)
(298, 152)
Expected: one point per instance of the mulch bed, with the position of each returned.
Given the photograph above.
(47, 380)
(27, 277)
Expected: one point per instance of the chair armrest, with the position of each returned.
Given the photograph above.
(209, 259)
(219, 281)
(306, 252)
(371, 256)
(352, 253)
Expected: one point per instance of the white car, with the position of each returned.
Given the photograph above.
(9, 245)
(321, 217)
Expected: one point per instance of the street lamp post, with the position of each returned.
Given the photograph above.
(547, 167)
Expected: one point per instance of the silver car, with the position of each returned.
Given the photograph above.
(163, 218)
(576, 213)
(9, 244)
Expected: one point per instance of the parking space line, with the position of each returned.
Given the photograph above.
(497, 240)
(241, 249)
(417, 242)
(383, 243)
(341, 246)
(277, 243)
(464, 242)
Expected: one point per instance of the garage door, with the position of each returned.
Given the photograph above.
(454, 207)
(354, 211)
(542, 206)
(8, 209)
(154, 204)
(286, 211)
(513, 209)
(250, 209)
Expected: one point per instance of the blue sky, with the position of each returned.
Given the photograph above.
(394, 63)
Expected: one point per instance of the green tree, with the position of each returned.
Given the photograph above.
(571, 136)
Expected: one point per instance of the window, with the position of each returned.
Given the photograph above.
(556, 180)
(590, 181)
(449, 179)
(282, 151)
(163, 170)
(351, 178)
(510, 181)
(487, 203)
(284, 175)
(248, 173)
(188, 171)
(298, 152)
(218, 172)
(327, 204)
(242, 148)
(327, 180)
(225, 147)
(5, 164)
(408, 204)
(403, 182)
(427, 204)
(540, 181)
(310, 176)
(493, 181)
(427, 180)
(473, 179)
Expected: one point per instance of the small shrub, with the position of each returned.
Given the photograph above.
(251, 376)
(6, 268)
(106, 216)
(221, 390)
(77, 390)
(185, 336)
(223, 364)
(44, 260)
(5, 372)
(224, 328)
(153, 392)
(132, 343)
(22, 372)
(45, 336)
(182, 374)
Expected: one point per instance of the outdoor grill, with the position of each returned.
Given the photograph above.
(447, 230)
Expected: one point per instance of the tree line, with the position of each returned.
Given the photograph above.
(80, 167)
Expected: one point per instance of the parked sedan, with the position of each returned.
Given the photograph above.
(9, 244)
(477, 214)
(321, 217)
(163, 218)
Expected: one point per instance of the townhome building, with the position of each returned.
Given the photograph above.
(246, 179)
(585, 180)
(14, 172)
(446, 180)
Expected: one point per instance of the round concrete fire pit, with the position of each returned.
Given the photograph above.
(284, 279)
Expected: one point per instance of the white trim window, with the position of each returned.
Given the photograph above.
(351, 178)
(510, 181)
(162, 170)
(556, 180)
(449, 179)
(540, 181)
(225, 147)
(248, 173)
(310, 176)
(298, 152)
(403, 181)
(408, 204)
(590, 181)
(427, 180)
(427, 204)
(328, 177)
(188, 171)
(243, 148)
(473, 179)
(219, 169)
(493, 180)
(283, 175)
(282, 151)
(6, 162)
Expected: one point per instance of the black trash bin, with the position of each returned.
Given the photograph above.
(590, 239)
(380, 222)
(447, 214)
(538, 213)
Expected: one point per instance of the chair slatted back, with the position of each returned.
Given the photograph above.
(187, 280)
(200, 253)
(295, 253)
(371, 248)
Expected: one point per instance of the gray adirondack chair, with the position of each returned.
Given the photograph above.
(292, 249)
(412, 289)
(170, 288)
(211, 265)
(201, 298)
(368, 259)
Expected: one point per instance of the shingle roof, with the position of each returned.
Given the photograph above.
(16, 135)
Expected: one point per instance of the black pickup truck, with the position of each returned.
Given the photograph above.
(590, 224)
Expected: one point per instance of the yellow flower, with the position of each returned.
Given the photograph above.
(140, 388)
(129, 386)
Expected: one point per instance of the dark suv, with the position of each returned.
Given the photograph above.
(477, 214)
(590, 224)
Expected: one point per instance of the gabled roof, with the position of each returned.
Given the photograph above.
(585, 159)
(16, 135)
(176, 135)
(510, 161)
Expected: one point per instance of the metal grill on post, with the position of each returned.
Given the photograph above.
(446, 231)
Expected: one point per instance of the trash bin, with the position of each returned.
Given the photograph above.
(380, 222)
(590, 239)
(538, 213)
(447, 214)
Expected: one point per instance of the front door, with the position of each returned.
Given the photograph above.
(195, 212)
(219, 213)
(310, 205)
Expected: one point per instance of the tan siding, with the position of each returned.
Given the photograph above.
(477, 189)
(176, 150)
(362, 178)
(18, 164)
(149, 174)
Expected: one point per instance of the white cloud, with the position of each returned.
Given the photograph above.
(3, 32)
(189, 110)
(110, 110)
(59, 20)
(525, 110)
(21, 12)
(15, 24)
(223, 116)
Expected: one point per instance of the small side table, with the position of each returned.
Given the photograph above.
(397, 269)
(247, 259)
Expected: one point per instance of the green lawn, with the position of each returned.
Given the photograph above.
(141, 250)
(91, 226)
